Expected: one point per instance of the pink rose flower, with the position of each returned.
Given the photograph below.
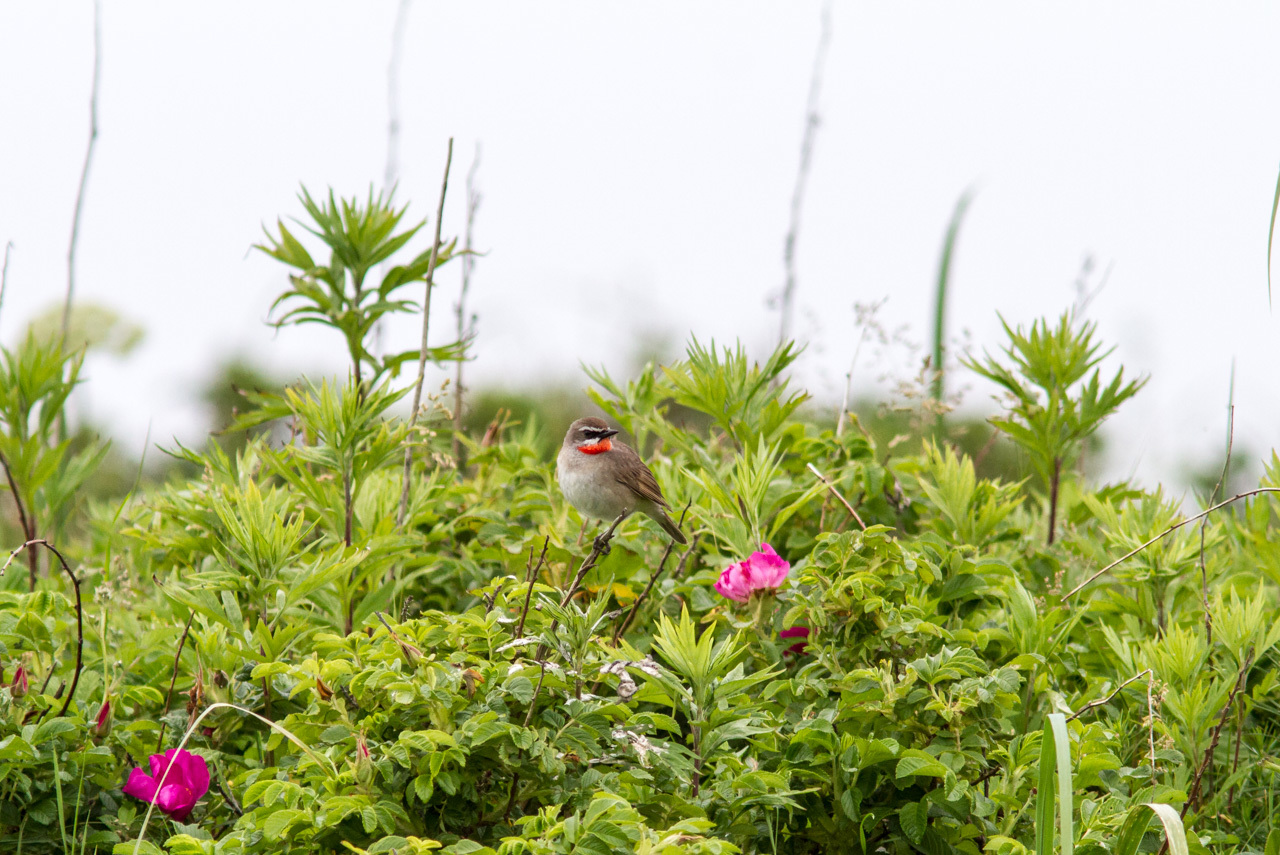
(187, 781)
(800, 632)
(763, 571)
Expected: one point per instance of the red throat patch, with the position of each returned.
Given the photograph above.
(602, 445)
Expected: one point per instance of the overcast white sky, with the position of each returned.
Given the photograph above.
(638, 163)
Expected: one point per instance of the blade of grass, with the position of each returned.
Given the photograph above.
(1055, 761)
(1271, 236)
(1135, 826)
(940, 294)
(57, 786)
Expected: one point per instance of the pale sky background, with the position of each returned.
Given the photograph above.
(638, 164)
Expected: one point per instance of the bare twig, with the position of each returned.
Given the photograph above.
(811, 122)
(468, 262)
(1193, 795)
(392, 173)
(75, 583)
(599, 547)
(4, 272)
(1226, 465)
(422, 354)
(173, 679)
(1170, 530)
(84, 172)
(532, 573)
(625, 624)
(1104, 701)
(28, 523)
(836, 493)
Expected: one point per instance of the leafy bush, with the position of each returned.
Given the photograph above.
(476, 680)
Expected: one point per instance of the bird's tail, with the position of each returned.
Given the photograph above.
(668, 525)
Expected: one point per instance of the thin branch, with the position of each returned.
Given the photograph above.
(422, 353)
(1226, 465)
(625, 624)
(177, 657)
(1104, 701)
(84, 172)
(1193, 795)
(836, 493)
(28, 523)
(532, 573)
(4, 272)
(1170, 530)
(392, 173)
(468, 262)
(811, 122)
(75, 583)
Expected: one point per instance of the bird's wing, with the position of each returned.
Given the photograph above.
(637, 477)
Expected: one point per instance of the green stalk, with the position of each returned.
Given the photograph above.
(940, 294)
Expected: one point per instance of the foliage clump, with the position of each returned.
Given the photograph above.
(473, 681)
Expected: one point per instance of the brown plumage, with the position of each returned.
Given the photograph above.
(604, 478)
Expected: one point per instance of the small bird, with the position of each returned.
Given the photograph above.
(605, 479)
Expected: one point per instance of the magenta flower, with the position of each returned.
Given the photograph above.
(764, 571)
(800, 632)
(187, 781)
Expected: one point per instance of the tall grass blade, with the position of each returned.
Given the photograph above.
(1055, 761)
(940, 293)
(1135, 826)
(1271, 236)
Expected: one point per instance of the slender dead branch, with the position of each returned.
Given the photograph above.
(84, 172)
(460, 310)
(392, 173)
(625, 623)
(4, 271)
(28, 523)
(173, 679)
(422, 353)
(832, 488)
(75, 583)
(1193, 795)
(1204, 524)
(1170, 530)
(1104, 701)
(532, 573)
(811, 122)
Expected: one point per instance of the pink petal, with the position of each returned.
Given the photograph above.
(175, 800)
(140, 785)
(195, 771)
(770, 567)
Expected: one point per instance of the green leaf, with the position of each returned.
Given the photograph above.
(914, 819)
(1055, 756)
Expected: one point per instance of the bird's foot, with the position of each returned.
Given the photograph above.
(601, 544)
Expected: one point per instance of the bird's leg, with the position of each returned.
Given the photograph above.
(601, 543)
(582, 532)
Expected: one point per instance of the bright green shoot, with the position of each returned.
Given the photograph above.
(1054, 408)
(359, 237)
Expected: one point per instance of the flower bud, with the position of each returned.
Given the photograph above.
(364, 761)
(102, 724)
(19, 685)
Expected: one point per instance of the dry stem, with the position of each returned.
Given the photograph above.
(836, 493)
(1193, 795)
(75, 582)
(811, 122)
(468, 262)
(1170, 530)
(422, 354)
(84, 172)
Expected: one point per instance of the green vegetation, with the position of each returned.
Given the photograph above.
(1037, 665)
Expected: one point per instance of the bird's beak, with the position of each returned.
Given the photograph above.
(610, 432)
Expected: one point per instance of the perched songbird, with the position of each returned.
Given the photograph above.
(605, 479)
